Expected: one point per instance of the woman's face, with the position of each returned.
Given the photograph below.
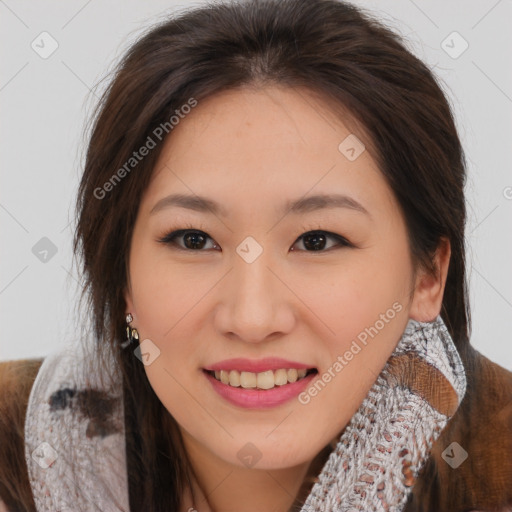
(250, 286)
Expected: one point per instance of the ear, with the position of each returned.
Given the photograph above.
(129, 304)
(128, 299)
(429, 288)
(128, 294)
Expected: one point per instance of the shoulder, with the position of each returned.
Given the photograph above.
(16, 380)
(470, 467)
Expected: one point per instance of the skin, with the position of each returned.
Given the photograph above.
(252, 149)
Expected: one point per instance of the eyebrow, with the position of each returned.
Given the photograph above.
(298, 206)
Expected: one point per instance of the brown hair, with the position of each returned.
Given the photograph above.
(335, 50)
(16, 379)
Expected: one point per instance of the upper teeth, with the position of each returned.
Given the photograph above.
(262, 380)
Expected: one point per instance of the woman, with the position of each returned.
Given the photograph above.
(271, 226)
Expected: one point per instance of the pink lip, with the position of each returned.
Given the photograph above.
(256, 366)
(259, 398)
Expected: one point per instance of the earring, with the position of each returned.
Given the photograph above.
(131, 332)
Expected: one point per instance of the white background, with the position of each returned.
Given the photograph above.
(45, 102)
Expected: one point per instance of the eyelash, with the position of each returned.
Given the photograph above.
(171, 236)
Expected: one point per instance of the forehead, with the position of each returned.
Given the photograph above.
(273, 143)
(274, 118)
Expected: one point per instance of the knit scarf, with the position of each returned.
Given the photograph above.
(75, 444)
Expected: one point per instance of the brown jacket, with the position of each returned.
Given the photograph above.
(482, 426)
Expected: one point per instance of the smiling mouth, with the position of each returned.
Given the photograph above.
(262, 380)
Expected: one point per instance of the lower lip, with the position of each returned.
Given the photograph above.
(259, 398)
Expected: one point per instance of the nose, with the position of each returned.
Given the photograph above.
(255, 304)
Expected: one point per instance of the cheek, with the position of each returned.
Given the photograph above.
(163, 292)
(356, 295)
(367, 314)
(365, 307)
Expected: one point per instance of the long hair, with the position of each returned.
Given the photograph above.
(335, 50)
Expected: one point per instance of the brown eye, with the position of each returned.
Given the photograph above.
(317, 241)
(195, 240)
(192, 240)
